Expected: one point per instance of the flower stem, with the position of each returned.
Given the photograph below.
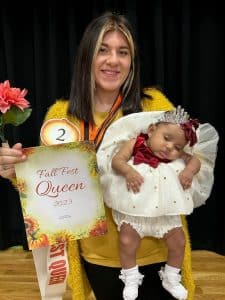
(2, 136)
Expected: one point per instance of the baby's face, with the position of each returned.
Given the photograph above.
(166, 140)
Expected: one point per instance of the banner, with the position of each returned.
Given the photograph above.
(52, 269)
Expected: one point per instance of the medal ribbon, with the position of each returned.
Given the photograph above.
(90, 131)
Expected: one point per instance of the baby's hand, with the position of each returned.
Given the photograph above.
(186, 177)
(134, 181)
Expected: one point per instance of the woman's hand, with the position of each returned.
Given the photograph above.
(8, 158)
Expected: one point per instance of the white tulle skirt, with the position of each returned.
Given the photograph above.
(161, 193)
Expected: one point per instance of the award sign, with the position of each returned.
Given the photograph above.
(60, 194)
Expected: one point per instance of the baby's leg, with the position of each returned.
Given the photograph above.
(129, 241)
(175, 241)
(170, 274)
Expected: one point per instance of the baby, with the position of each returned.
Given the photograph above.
(149, 187)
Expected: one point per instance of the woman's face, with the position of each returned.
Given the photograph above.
(112, 64)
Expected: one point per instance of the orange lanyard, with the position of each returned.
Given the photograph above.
(91, 133)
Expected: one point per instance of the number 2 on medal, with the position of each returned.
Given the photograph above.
(59, 138)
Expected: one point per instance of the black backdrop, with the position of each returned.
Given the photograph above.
(181, 44)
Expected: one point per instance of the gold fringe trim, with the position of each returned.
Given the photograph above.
(187, 276)
(77, 279)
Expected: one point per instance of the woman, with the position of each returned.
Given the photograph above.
(105, 86)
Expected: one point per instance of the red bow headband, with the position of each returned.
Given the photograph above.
(189, 129)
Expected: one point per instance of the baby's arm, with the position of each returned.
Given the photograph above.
(192, 167)
(119, 164)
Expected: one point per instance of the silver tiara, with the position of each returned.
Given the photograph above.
(178, 116)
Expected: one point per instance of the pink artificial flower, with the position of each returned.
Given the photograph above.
(12, 97)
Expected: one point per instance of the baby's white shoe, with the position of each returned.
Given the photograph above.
(171, 281)
(132, 279)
